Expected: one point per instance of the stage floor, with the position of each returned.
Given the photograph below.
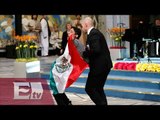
(150, 59)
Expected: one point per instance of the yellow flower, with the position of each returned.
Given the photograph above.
(35, 46)
(31, 46)
(148, 67)
(17, 48)
(24, 47)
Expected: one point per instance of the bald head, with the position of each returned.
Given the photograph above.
(87, 23)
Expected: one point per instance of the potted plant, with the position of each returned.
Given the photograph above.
(27, 63)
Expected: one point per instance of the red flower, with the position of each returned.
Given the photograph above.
(131, 66)
(125, 66)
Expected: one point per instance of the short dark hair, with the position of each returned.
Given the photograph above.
(77, 31)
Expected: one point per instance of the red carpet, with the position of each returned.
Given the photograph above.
(22, 91)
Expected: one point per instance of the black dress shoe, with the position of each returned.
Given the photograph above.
(59, 100)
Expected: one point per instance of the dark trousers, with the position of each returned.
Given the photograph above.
(62, 99)
(94, 87)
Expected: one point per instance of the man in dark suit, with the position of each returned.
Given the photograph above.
(100, 62)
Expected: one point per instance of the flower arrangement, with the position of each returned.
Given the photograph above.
(25, 48)
(139, 67)
(116, 34)
(125, 66)
(148, 67)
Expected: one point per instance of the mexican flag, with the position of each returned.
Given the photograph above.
(66, 69)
